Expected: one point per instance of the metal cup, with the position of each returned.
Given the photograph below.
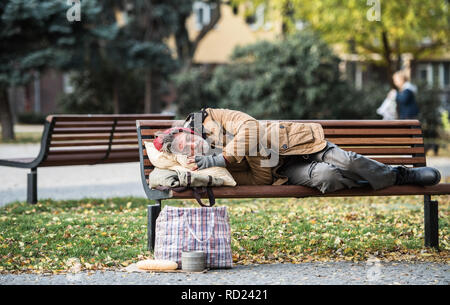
(193, 261)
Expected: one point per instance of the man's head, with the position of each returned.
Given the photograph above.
(179, 140)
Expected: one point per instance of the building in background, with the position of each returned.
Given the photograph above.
(435, 73)
(233, 29)
(41, 95)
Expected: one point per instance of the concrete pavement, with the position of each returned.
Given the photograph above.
(317, 273)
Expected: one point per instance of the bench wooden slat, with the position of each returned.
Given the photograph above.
(69, 151)
(92, 156)
(66, 162)
(94, 137)
(375, 141)
(385, 150)
(400, 161)
(92, 143)
(361, 123)
(372, 132)
(101, 117)
(93, 130)
(95, 124)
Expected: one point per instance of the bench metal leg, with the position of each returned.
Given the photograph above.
(32, 186)
(152, 213)
(431, 222)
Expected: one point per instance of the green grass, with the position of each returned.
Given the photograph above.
(111, 233)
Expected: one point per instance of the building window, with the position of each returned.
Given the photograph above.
(202, 12)
(358, 76)
(425, 73)
(256, 21)
(444, 75)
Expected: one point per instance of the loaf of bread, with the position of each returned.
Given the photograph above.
(157, 264)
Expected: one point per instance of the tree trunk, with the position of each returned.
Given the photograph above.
(387, 57)
(148, 92)
(116, 106)
(398, 64)
(287, 12)
(182, 42)
(157, 82)
(6, 116)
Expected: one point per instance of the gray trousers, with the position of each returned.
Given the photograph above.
(333, 168)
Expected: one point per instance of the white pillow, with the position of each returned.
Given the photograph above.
(177, 162)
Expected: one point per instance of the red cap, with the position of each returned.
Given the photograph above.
(158, 143)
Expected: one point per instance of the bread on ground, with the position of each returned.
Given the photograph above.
(157, 264)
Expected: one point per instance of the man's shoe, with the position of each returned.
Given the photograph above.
(418, 175)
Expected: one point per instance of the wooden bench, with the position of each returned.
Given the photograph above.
(83, 140)
(390, 142)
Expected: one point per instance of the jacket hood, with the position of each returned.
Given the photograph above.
(410, 86)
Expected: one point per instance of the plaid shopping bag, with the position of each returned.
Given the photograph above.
(204, 229)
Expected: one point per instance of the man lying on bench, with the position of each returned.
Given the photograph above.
(264, 153)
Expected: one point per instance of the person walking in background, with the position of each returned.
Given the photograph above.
(405, 96)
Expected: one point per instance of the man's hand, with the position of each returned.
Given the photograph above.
(207, 161)
(191, 160)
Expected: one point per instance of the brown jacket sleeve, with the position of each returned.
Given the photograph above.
(243, 128)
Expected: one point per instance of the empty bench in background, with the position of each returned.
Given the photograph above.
(83, 140)
(397, 142)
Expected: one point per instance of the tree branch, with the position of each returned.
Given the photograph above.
(433, 45)
(212, 23)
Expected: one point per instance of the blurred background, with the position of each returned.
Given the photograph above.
(277, 59)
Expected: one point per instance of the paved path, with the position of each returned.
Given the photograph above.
(347, 273)
(27, 128)
(441, 163)
(100, 181)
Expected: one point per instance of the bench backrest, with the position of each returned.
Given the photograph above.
(92, 139)
(398, 142)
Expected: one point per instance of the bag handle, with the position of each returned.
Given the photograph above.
(195, 235)
(190, 121)
(197, 191)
